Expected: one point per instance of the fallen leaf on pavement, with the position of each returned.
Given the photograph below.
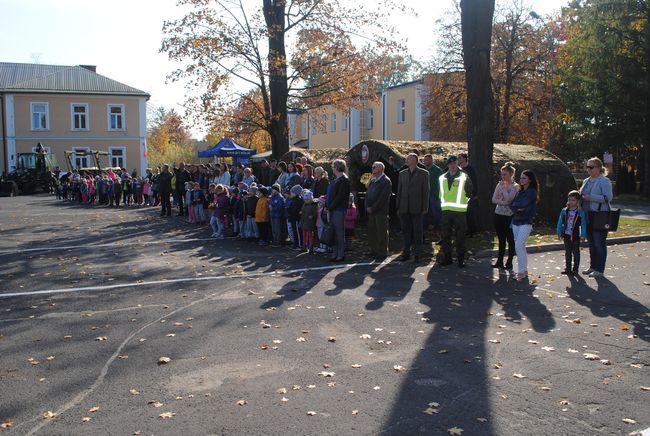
(101, 338)
(517, 375)
(629, 421)
(301, 339)
(164, 360)
(155, 404)
(399, 368)
(548, 348)
(134, 392)
(591, 356)
(365, 336)
(167, 415)
(242, 402)
(326, 374)
(645, 388)
(455, 431)
(331, 339)
(481, 419)
(49, 414)
(311, 413)
(93, 409)
(86, 419)
(282, 391)
(7, 423)
(356, 365)
(355, 412)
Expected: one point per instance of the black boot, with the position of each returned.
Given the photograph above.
(508, 265)
(498, 263)
(461, 262)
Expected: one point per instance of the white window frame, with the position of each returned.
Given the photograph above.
(344, 121)
(323, 121)
(371, 119)
(333, 122)
(122, 114)
(74, 157)
(32, 113)
(123, 157)
(73, 115)
(401, 111)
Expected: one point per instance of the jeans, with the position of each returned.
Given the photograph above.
(504, 234)
(337, 218)
(278, 227)
(571, 253)
(521, 233)
(597, 249)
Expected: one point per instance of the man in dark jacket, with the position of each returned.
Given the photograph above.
(182, 176)
(412, 204)
(337, 199)
(377, 207)
(165, 189)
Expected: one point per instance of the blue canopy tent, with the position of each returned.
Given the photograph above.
(227, 147)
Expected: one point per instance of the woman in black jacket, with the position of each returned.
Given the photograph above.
(338, 195)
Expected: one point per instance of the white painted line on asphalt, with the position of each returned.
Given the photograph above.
(183, 280)
(110, 244)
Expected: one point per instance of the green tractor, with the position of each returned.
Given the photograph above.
(33, 172)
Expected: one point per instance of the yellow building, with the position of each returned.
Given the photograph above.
(71, 108)
(398, 115)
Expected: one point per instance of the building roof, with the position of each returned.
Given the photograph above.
(60, 79)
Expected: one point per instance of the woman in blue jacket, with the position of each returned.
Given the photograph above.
(524, 207)
(596, 192)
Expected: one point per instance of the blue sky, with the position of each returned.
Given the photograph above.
(122, 37)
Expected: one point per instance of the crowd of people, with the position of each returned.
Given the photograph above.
(297, 205)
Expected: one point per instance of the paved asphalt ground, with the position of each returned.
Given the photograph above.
(270, 341)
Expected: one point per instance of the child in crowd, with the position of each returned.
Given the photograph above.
(188, 201)
(249, 178)
(294, 206)
(92, 189)
(321, 220)
(146, 192)
(83, 190)
(250, 206)
(571, 226)
(308, 214)
(236, 209)
(126, 190)
(219, 212)
(197, 203)
(117, 191)
(262, 216)
(137, 191)
(277, 214)
(350, 222)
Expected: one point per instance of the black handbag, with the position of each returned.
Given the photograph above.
(604, 220)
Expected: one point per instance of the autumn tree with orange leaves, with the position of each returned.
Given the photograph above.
(291, 53)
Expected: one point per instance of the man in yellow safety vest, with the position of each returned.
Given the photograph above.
(455, 192)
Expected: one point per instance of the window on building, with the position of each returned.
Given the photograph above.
(344, 121)
(116, 117)
(40, 116)
(333, 122)
(303, 129)
(79, 116)
(371, 119)
(80, 160)
(401, 111)
(314, 126)
(323, 123)
(117, 157)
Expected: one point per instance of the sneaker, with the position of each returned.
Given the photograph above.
(566, 272)
(588, 271)
(595, 274)
(214, 235)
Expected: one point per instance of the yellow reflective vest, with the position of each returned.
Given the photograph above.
(453, 199)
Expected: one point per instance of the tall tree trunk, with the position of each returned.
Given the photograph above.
(277, 59)
(476, 25)
(510, 49)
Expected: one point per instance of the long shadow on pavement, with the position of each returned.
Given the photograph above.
(451, 369)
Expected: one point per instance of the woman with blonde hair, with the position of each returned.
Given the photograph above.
(505, 191)
(596, 192)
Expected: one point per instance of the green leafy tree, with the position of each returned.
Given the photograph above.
(604, 79)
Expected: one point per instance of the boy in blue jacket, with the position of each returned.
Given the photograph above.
(278, 216)
(571, 226)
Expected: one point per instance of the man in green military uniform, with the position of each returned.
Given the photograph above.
(455, 192)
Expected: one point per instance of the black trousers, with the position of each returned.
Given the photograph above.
(166, 203)
(263, 227)
(453, 223)
(412, 230)
(572, 253)
(181, 199)
(504, 234)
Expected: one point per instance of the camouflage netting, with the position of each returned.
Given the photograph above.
(316, 158)
(554, 176)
